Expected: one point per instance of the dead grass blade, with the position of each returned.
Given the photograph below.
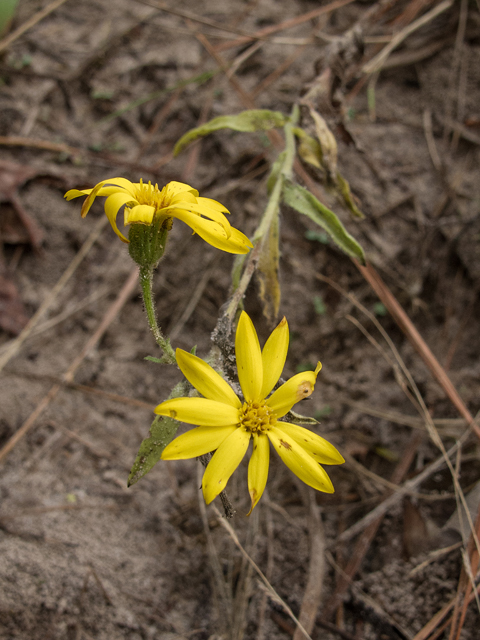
(316, 570)
(375, 65)
(406, 325)
(292, 22)
(108, 318)
(222, 594)
(271, 591)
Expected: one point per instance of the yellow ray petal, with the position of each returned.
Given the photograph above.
(224, 462)
(298, 387)
(112, 206)
(213, 204)
(258, 468)
(197, 442)
(205, 379)
(205, 413)
(89, 200)
(184, 196)
(178, 187)
(320, 449)
(274, 355)
(76, 193)
(299, 461)
(116, 184)
(142, 213)
(179, 210)
(249, 359)
(214, 234)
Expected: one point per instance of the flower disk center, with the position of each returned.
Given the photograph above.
(257, 416)
(150, 195)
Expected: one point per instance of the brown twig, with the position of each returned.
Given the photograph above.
(406, 325)
(287, 24)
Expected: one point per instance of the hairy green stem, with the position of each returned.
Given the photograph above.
(146, 280)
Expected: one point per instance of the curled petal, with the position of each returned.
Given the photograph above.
(258, 468)
(224, 462)
(206, 380)
(76, 193)
(299, 461)
(142, 213)
(274, 355)
(213, 233)
(112, 206)
(320, 449)
(298, 387)
(249, 359)
(201, 411)
(197, 442)
(213, 204)
(90, 199)
(117, 184)
(180, 208)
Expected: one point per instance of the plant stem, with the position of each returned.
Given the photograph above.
(146, 280)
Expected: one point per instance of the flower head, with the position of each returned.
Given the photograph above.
(146, 204)
(226, 424)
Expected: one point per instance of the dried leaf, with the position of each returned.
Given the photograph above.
(327, 142)
(347, 196)
(308, 148)
(267, 271)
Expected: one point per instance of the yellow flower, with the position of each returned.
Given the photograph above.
(227, 425)
(145, 204)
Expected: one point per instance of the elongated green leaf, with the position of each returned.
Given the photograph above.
(162, 432)
(246, 121)
(304, 202)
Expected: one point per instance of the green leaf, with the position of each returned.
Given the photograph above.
(304, 202)
(162, 432)
(246, 121)
(153, 359)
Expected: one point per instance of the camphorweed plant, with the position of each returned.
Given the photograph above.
(258, 410)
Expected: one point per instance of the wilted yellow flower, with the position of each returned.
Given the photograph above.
(227, 425)
(145, 204)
